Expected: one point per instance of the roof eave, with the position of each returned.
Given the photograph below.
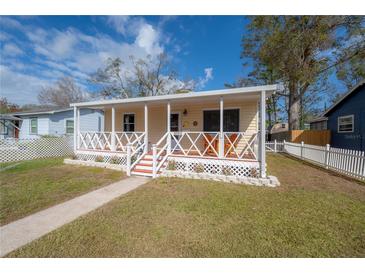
(343, 98)
(245, 90)
(41, 112)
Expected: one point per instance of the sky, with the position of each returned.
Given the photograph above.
(38, 50)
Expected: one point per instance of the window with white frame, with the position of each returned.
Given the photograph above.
(128, 122)
(3, 127)
(346, 123)
(69, 126)
(33, 125)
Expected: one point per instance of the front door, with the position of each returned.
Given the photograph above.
(175, 129)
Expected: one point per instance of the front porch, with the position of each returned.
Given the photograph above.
(218, 133)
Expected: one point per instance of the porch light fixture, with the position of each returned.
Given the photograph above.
(185, 112)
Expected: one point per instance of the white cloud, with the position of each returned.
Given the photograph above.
(148, 39)
(63, 44)
(119, 23)
(8, 22)
(11, 49)
(208, 76)
(70, 52)
(4, 36)
(19, 88)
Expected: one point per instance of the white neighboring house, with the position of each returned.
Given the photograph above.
(51, 122)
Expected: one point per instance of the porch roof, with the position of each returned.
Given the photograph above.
(245, 92)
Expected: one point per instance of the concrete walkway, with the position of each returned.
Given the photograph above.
(23, 231)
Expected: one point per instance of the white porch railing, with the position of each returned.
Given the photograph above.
(94, 140)
(135, 151)
(195, 143)
(122, 139)
(103, 140)
(236, 145)
(240, 145)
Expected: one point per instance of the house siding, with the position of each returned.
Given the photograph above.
(353, 105)
(90, 120)
(43, 126)
(55, 124)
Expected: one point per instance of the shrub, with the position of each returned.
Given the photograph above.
(114, 160)
(253, 172)
(226, 171)
(199, 168)
(133, 159)
(99, 159)
(171, 165)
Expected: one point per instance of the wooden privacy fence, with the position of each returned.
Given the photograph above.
(346, 161)
(12, 150)
(313, 137)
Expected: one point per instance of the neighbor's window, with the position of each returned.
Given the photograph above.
(128, 122)
(33, 125)
(3, 127)
(346, 123)
(69, 126)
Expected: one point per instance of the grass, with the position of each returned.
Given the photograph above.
(34, 185)
(312, 214)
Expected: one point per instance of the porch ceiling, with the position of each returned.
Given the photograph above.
(246, 94)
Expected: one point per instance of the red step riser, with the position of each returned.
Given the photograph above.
(143, 171)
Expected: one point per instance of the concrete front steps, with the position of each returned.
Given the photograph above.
(144, 166)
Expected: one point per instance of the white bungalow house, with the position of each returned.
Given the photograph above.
(215, 132)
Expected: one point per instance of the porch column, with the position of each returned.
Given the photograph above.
(168, 127)
(262, 136)
(113, 130)
(75, 127)
(221, 136)
(78, 128)
(146, 128)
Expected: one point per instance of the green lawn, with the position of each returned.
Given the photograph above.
(312, 214)
(34, 185)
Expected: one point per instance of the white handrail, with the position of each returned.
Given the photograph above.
(161, 139)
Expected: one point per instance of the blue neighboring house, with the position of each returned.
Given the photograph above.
(346, 120)
(51, 122)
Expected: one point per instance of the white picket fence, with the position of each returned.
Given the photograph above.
(12, 150)
(346, 161)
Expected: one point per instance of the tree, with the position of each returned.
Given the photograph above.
(7, 107)
(142, 77)
(64, 92)
(261, 76)
(301, 50)
(352, 71)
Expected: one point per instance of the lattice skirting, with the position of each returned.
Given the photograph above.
(214, 166)
(104, 157)
(12, 150)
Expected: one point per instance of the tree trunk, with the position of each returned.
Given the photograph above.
(294, 109)
(275, 110)
(269, 118)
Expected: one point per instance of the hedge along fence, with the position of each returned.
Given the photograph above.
(345, 161)
(313, 137)
(12, 150)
